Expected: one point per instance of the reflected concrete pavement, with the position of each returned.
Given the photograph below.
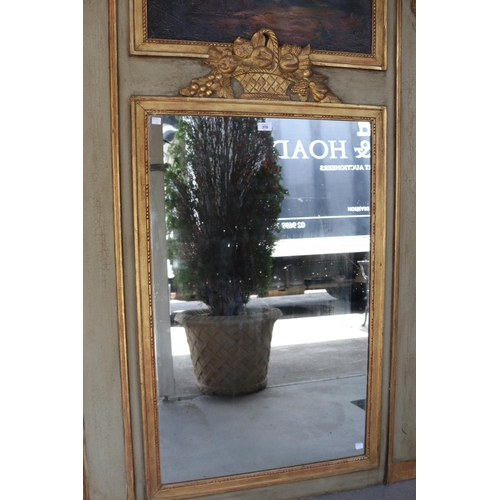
(312, 409)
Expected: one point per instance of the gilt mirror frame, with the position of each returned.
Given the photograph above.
(375, 58)
(142, 109)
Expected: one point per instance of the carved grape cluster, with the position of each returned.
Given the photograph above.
(301, 89)
(204, 87)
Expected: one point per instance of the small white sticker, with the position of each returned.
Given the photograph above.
(359, 446)
(264, 126)
(155, 120)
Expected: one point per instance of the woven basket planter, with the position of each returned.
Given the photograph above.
(230, 354)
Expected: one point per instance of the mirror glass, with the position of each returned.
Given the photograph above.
(233, 174)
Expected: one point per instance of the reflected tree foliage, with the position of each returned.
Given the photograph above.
(223, 199)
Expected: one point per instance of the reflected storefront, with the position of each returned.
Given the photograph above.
(318, 344)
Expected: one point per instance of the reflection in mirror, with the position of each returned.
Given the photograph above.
(265, 222)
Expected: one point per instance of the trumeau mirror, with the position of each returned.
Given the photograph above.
(258, 197)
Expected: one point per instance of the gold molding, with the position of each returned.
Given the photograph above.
(401, 471)
(396, 246)
(140, 44)
(120, 297)
(391, 466)
(142, 108)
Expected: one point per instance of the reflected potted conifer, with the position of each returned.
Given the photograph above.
(223, 199)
